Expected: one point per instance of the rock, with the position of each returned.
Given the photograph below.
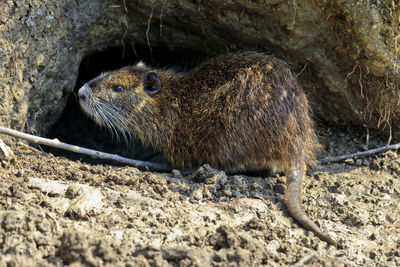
(86, 205)
(279, 188)
(197, 193)
(176, 174)
(74, 191)
(5, 152)
(366, 162)
(344, 52)
(50, 187)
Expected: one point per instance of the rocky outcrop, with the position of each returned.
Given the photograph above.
(345, 52)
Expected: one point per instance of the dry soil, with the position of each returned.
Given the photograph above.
(57, 211)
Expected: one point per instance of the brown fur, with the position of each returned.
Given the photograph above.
(236, 112)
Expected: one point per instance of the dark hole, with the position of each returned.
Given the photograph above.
(74, 127)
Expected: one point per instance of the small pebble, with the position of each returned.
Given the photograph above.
(20, 173)
(228, 192)
(74, 191)
(279, 188)
(197, 194)
(349, 161)
(177, 174)
(85, 168)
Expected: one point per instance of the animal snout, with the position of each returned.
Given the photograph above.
(84, 93)
(82, 96)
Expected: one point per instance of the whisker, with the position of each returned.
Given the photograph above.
(109, 125)
(114, 122)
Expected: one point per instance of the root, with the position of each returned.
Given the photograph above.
(125, 20)
(390, 135)
(360, 83)
(134, 49)
(125, 23)
(302, 70)
(147, 33)
(294, 15)
(125, 7)
(161, 14)
(350, 73)
(367, 139)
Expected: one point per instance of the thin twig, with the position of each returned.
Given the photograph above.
(93, 153)
(361, 153)
(30, 148)
(152, 165)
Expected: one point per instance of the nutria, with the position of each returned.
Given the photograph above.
(236, 112)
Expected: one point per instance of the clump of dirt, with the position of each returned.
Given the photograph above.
(56, 211)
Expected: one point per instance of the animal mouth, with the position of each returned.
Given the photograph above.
(103, 113)
(86, 106)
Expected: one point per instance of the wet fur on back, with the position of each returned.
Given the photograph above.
(248, 112)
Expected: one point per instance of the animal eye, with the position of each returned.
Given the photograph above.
(118, 88)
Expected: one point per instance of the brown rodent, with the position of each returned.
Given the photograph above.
(236, 112)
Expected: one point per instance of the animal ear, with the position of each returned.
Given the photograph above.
(151, 83)
(140, 65)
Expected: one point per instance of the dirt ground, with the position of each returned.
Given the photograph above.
(56, 211)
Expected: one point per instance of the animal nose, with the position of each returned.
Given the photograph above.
(84, 93)
(82, 96)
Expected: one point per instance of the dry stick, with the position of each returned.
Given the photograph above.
(363, 153)
(93, 153)
(152, 165)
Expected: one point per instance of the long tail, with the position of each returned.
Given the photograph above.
(293, 203)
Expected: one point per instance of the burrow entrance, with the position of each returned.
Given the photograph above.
(74, 127)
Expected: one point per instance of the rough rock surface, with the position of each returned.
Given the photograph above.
(346, 51)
